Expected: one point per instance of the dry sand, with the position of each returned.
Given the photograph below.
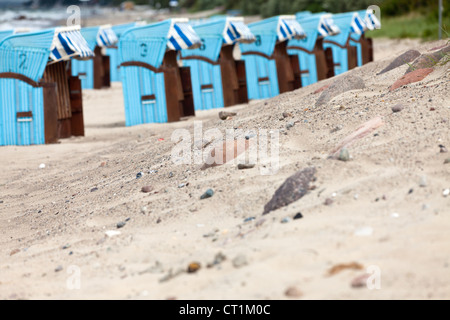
(53, 221)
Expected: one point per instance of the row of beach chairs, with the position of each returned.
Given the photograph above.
(169, 69)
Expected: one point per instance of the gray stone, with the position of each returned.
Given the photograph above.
(208, 194)
(401, 60)
(398, 107)
(344, 155)
(294, 188)
(341, 85)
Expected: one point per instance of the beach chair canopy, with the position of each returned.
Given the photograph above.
(349, 23)
(237, 31)
(315, 26)
(284, 27)
(219, 32)
(149, 43)
(28, 54)
(101, 36)
(370, 19)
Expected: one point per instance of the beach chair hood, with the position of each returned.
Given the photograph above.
(316, 26)
(289, 28)
(172, 34)
(236, 31)
(29, 53)
(370, 19)
(101, 36)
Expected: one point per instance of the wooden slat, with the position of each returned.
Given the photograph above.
(56, 73)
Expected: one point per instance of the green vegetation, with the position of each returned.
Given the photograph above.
(412, 25)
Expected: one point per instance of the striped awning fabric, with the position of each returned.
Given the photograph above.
(357, 25)
(67, 43)
(288, 28)
(106, 37)
(372, 21)
(182, 36)
(237, 31)
(327, 27)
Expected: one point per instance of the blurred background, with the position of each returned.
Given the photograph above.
(400, 18)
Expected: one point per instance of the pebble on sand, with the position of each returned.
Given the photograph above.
(243, 166)
(294, 188)
(360, 281)
(293, 292)
(445, 162)
(344, 155)
(398, 107)
(208, 194)
(147, 189)
(298, 216)
(343, 266)
(223, 115)
(193, 267)
(121, 224)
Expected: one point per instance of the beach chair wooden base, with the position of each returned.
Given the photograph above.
(288, 77)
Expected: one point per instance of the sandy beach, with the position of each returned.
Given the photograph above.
(383, 215)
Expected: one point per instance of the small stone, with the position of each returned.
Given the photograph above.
(423, 182)
(1, 201)
(395, 215)
(446, 192)
(139, 175)
(193, 267)
(289, 125)
(121, 224)
(249, 219)
(239, 261)
(344, 155)
(147, 189)
(208, 194)
(286, 114)
(243, 166)
(445, 162)
(398, 107)
(224, 115)
(286, 220)
(328, 202)
(58, 268)
(298, 216)
(66, 246)
(218, 259)
(360, 281)
(94, 189)
(170, 174)
(181, 185)
(293, 292)
(442, 149)
(292, 189)
(42, 166)
(410, 191)
(144, 210)
(13, 252)
(112, 233)
(158, 220)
